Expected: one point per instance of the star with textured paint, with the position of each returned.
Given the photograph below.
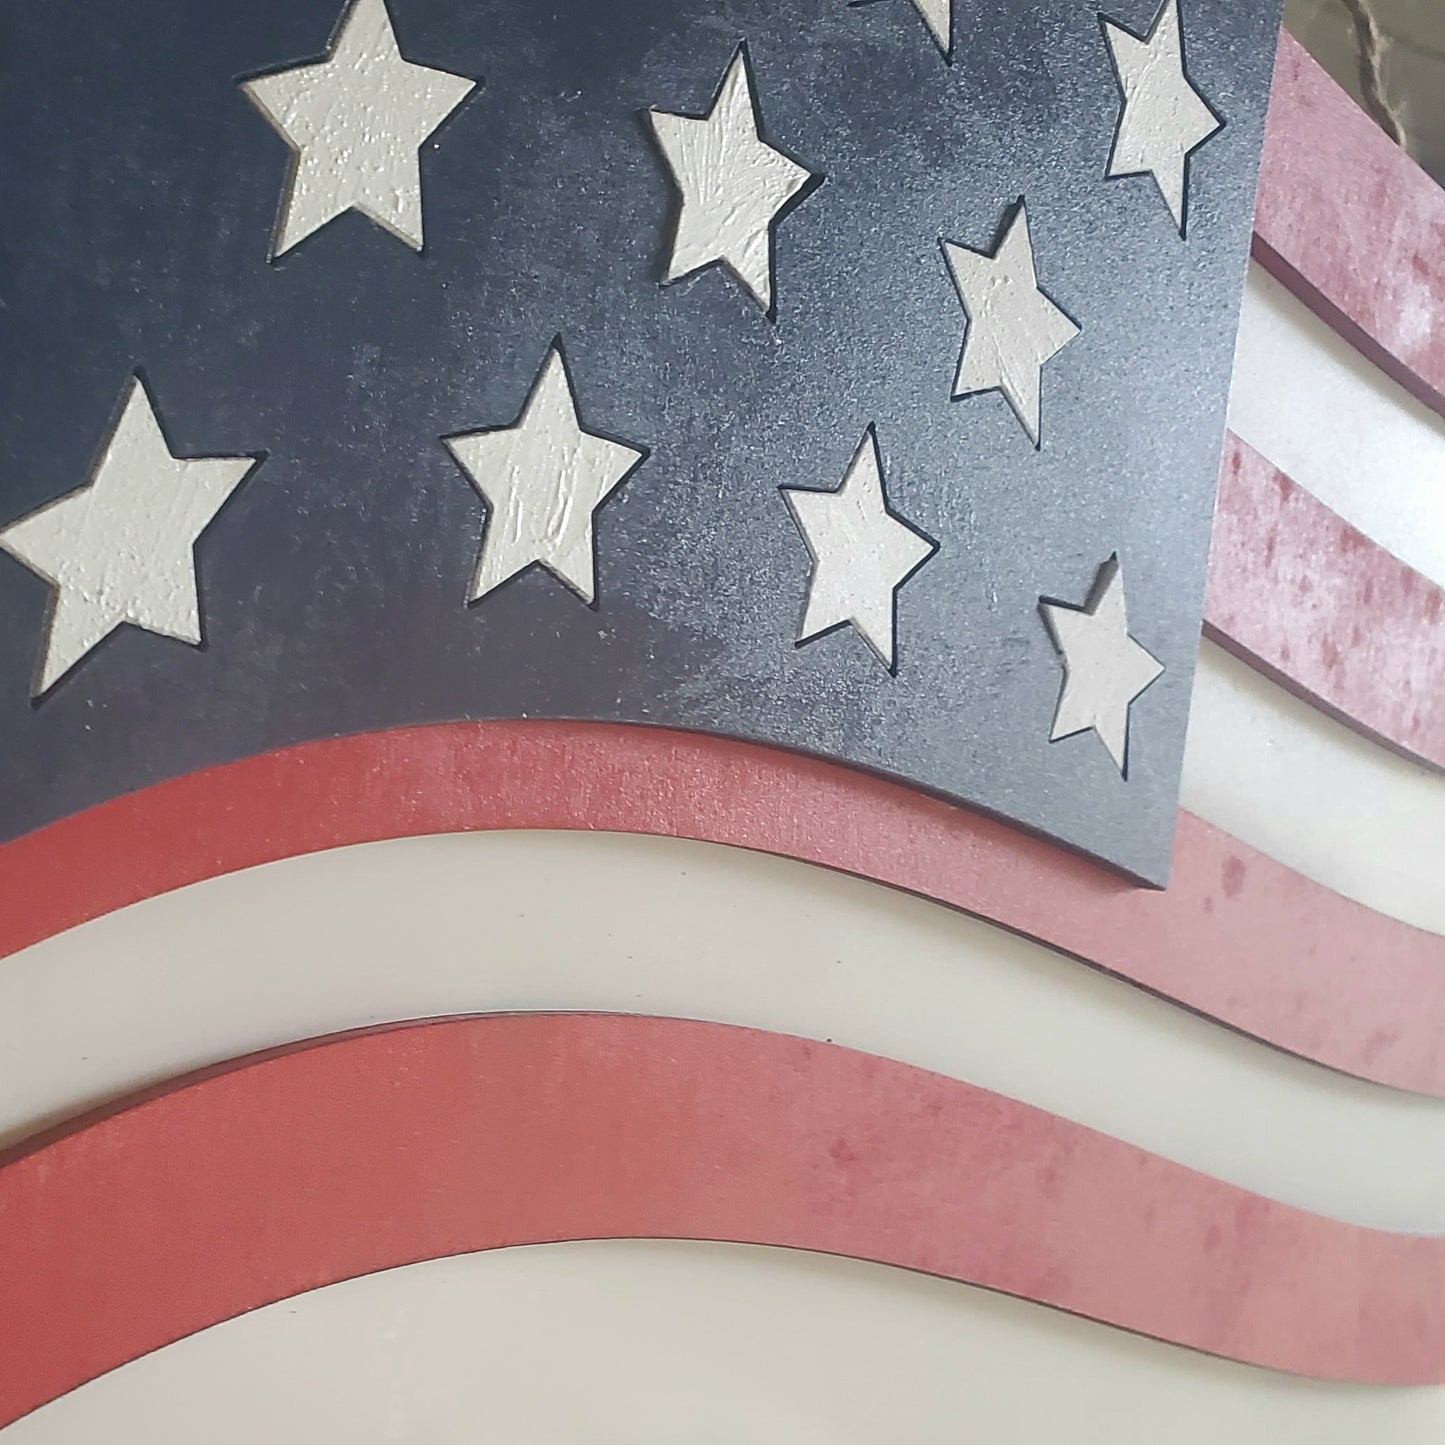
(356, 122)
(1104, 668)
(1163, 118)
(862, 553)
(733, 185)
(542, 479)
(1013, 328)
(938, 16)
(122, 547)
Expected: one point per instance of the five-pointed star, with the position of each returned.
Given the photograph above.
(862, 553)
(121, 548)
(542, 478)
(356, 122)
(1013, 328)
(1163, 118)
(733, 185)
(1104, 668)
(938, 16)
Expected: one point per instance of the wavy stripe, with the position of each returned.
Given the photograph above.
(1353, 226)
(1313, 603)
(1236, 935)
(310, 946)
(1302, 396)
(1265, 767)
(660, 1342)
(342, 1157)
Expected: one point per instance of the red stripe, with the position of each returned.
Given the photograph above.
(1356, 230)
(293, 1170)
(1236, 935)
(1297, 591)
(1353, 226)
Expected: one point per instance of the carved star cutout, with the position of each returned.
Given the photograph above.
(542, 479)
(938, 16)
(862, 554)
(1104, 668)
(1163, 119)
(1013, 328)
(356, 122)
(121, 548)
(734, 186)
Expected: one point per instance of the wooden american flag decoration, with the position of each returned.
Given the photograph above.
(818, 1147)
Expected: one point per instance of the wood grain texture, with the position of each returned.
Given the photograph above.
(298, 1168)
(1351, 225)
(1306, 598)
(1236, 936)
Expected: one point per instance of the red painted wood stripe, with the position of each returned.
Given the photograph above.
(1356, 230)
(296, 1169)
(1299, 593)
(1353, 226)
(1235, 936)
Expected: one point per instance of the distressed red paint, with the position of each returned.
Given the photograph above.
(1353, 226)
(1301, 595)
(296, 1169)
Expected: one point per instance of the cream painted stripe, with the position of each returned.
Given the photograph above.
(1260, 763)
(655, 1343)
(1313, 794)
(1308, 401)
(582, 921)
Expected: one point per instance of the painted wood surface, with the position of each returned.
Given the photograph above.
(1236, 936)
(292, 1170)
(1299, 593)
(1356, 230)
(1352, 225)
(655, 146)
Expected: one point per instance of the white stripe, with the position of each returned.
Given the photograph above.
(658, 1343)
(1318, 410)
(1308, 791)
(555, 921)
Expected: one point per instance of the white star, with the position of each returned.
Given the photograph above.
(733, 185)
(356, 122)
(1163, 118)
(1104, 668)
(121, 548)
(542, 478)
(1013, 328)
(938, 16)
(862, 553)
